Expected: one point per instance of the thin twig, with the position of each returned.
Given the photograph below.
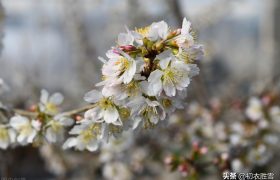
(77, 111)
(67, 113)
(25, 113)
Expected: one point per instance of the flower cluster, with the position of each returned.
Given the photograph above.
(145, 79)
(44, 123)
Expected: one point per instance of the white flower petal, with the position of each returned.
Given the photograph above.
(156, 88)
(32, 136)
(51, 135)
(162, 29)
(66, 121)
(169, 89)
(165, 57)
(12, 135)
(71, 142)
(44, 96)
(56, 98)
(22, 139)
(136, 123)
(155, 76)
(17, 121)
(111, 115)
(77, 129)
(128, 75)
(4, 143)
(125, 39)
(92, 146)
(93, 96)
(186, 26)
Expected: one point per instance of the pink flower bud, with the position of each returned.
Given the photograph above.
(127, 48)
(183, 168)
(266, 100)
(203, 150)
(195, 146)
(116, 51)
(168, 160)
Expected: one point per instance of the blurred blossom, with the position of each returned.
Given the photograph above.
(26, 129)
(237, 165)
(116, 171)
(50, 103)
(7, 137)
(254, 110)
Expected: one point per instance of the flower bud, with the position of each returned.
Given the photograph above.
(184, 169)
(168, 160)
(127, 48)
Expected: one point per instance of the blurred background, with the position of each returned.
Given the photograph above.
(54, 44)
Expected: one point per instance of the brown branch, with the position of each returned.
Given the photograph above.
(67, 113)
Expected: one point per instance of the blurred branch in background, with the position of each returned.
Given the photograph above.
(82, 51)
(276, 30)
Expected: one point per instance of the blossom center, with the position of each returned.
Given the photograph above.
(51, 107)
(25, 129)
(166, 103)
(56, 126)
(131, 88)
(171, 75)
(123, 63)
(4, 134)
(143, 31)
(90, 133)
(106, 103)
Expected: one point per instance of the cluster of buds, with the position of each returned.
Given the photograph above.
(144, 80)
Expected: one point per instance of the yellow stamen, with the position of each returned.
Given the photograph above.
(105, 103)
(166, 103)
(56, 126)
(90, 133)
(124, 113)
(25, 129)
(171, 75)
(115, 129)
(143, 31)
(124, 64)
(51, 108)
(131, 88)
(4, 133)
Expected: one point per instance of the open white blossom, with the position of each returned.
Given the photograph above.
(156, 31)
(116, 171)
(254, 110)
(26, 129)
(88, 136)
(185, 39)
(7, 136)
(174, 75)
(49, 103)
(144, 80)
(105, 111)
(119, 68)
(146, 112)
(274, 112)
(55, 128)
